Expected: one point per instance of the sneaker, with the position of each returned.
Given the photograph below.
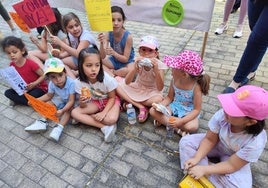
(56, 132)
(12, 103)
(109, 132)
(37, 127)
(238, 32)
(39, 36)
(16, 33)
(222, 28)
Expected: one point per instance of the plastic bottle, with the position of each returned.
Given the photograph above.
(170, 129)
(131, 114)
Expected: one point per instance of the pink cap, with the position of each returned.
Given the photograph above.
(188, 61)
(149, 42)
(247, 101)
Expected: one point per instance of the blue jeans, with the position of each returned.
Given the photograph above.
(257, 42)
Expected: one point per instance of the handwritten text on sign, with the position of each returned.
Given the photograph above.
(35, 13)
(11, 77)
(45, 109)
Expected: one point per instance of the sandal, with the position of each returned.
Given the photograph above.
(143, 115)
(124, 105)
(182, 133)
(156, 123)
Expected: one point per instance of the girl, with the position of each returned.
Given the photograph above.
(120, 50)
(184, 98)
(78, 39)
(56, 29)
(236, 136)
(32, 74)
(103, 109)
(149, 82)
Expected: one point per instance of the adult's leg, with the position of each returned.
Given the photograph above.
(257, 43)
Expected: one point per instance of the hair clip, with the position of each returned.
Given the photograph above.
(243, 94)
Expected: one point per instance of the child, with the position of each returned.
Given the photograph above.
(61, 93)
(118, 44)
(44, 46)
(78, 39)
(184, 97)
(103, 109)
(149, 83)
(32, 74)
(236, 136)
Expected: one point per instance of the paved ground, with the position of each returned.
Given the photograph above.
(140, 156)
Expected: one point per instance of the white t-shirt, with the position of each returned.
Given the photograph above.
(246, 146)
(98, 90)
(86, 35)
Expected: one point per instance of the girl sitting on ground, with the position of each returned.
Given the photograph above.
(184, 97)
(149, 83)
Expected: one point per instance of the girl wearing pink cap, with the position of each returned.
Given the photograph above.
(149, 83)
(184, 98)
(236, 138)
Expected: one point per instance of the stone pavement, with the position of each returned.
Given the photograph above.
(140, 155)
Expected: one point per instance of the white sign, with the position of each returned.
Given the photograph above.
(13, 79)
(197, 13)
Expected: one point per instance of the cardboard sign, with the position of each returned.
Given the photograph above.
(13, 79)
(45, 109)
(99, 15)
(20, 23)
(35, 13)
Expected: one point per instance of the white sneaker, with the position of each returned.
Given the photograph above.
(109, 132)
(56, 132)
(222, 28)
(16, 33)
(238, 32)
(37, 127)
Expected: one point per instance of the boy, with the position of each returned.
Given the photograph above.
(61, 93)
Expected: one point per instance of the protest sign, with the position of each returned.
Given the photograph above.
(99, 14)
(35, 13)
(45, 109)
(20, 23)
(13, 79)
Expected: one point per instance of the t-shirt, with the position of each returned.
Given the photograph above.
(86, 35)
(61, 95)
(98, 90)
(246, 146)
(28, 73)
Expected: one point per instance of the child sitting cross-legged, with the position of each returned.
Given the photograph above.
(61, 93)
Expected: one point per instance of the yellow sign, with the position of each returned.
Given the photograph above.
(45, 109)
(189, 182)
(99, 15)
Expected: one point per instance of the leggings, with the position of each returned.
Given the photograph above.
(4, 12)
(17, 99)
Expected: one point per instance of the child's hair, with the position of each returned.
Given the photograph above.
(92, 49)
(55, 27)
(257, 128)
(65, 21)
(119, 10)
(14, 41)
(203, 80)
